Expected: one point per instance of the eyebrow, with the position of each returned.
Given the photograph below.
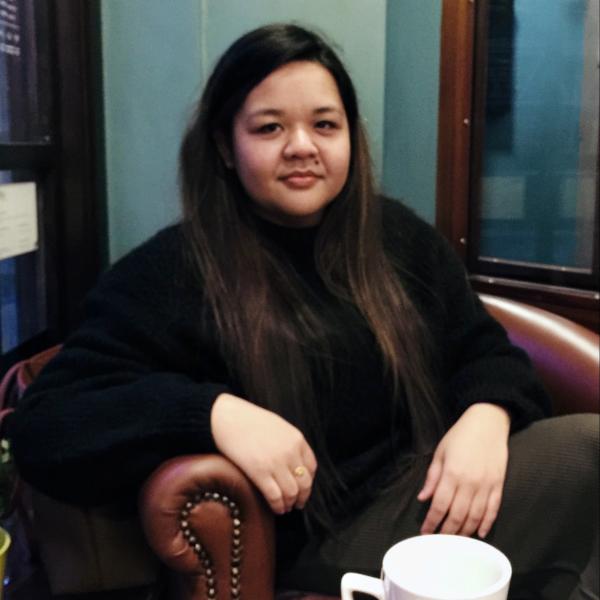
(275, 112)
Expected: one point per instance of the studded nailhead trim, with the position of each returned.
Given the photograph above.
(203, 556)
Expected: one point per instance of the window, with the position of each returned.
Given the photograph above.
(51, 217)
(25, 99)
(518, 149)
(23, 310)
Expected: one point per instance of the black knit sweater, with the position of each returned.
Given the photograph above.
(135, 384)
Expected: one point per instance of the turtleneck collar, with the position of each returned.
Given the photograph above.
(297, 243)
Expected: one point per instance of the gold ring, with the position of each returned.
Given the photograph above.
(299, 471)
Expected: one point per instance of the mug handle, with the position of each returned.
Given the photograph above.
(354, 582)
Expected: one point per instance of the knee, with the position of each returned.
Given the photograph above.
(576, 442)
(552, 479)
(578, 435)
(565, 449)
(577, 431)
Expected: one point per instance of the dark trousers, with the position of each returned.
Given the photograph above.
(547, 524)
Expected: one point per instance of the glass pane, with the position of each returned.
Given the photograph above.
(540, 152)
(22, 277)
(24, 97)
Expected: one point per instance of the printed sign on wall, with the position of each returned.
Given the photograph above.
(18, 219)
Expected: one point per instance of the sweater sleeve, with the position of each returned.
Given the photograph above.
(482, 365)
(133, 386)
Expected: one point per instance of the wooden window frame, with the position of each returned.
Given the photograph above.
(70, 166)
(459, 119)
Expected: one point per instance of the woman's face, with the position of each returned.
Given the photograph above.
(291, 144)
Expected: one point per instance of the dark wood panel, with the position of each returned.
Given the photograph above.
(26, 156)
(80, 196)
(454, 121)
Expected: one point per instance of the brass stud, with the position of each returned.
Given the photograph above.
(236, 522)
(184, 524)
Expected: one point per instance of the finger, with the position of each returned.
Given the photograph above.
(459, 509)
(288, 485)
(476, 512)
(304, 489)
(271, 492)
(306, 478)
(493, 506)
(431, 481)
(309, 460)
(442, 499)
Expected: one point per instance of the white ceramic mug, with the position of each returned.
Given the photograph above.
(436, 567)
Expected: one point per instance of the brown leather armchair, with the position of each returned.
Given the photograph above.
(204, 520)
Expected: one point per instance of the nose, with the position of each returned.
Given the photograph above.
(300, 144)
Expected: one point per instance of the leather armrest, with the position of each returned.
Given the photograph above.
(206, 521)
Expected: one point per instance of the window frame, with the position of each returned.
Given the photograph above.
(69, 170)
(460, 126)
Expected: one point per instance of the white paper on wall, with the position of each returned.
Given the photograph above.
(18, 219)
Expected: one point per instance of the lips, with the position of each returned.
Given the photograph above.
(300, 179)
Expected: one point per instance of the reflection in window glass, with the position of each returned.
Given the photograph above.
(22, 284)
(8, 305)
(540, 155)
(24, 97)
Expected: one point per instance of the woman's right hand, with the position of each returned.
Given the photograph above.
(267, 448)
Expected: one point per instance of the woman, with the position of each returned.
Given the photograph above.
(323, 339)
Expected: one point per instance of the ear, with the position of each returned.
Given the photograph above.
(224, 149)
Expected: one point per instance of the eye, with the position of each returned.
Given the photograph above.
(268, 128)
(325, 124)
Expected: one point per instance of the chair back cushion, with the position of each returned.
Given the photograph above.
(565, 354)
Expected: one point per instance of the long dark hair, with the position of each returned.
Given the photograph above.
(263, 319)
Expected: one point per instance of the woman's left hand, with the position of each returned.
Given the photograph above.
(466, 476)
